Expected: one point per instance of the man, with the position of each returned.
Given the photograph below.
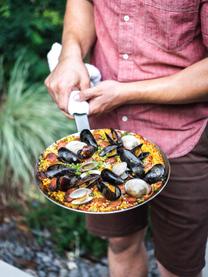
(152, 57)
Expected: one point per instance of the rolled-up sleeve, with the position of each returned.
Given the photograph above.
(204, 21)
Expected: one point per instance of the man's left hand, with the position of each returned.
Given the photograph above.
(103, 98)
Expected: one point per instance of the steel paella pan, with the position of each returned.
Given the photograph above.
(102, 171)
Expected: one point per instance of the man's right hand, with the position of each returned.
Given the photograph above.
(68, 74)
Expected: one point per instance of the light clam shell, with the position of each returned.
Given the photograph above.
(130, 141)
(82, 201)
(81, 196)
(79, 193)
(75, 146)
(119, 168)
(84, 174)
(88, 166)
(137, 187)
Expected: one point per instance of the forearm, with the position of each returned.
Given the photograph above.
(187, 86)
(79, 31)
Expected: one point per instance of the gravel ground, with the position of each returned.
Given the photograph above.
(19, 248)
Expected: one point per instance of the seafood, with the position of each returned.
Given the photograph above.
(87, 137)
(109, 191)
(88, 180)
(155, 174)
(86, 152)
(59, 170)
(109, 176)
(65, 182)
(133, 163)
(109, 150)
(81, 196)
(68, 156)
(88, 166)
(120, 168)
(75, 146)
(137, 187)
(114, 138)
(130, 141)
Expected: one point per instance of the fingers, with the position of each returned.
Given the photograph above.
(88, 94)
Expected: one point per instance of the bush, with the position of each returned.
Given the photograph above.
(29, 121)
(67, 229)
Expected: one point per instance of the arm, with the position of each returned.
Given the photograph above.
(78, 37)
(190, 85)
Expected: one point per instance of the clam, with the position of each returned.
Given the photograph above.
(93, 171)
(120, 168)
(130, 141)
(75, 146)
(137, 187)
(81, 196)
(88, 166)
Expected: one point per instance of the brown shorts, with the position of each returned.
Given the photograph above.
(179, 215)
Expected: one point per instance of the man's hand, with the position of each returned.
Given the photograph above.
(67, 75)
(103, 98)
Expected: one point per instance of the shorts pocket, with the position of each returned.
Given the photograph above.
(171, 25)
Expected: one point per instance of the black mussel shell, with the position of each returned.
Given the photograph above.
(86, 152)
(109, 150)
(65, 155)
(65, 182)
(88, 180)
(109, 191)
(138, 170)
(143, 155)
(128, 157)
(114, 138)
(58, 170)
(155, 174)
(109, 176)
(137, 150)
(87, 137)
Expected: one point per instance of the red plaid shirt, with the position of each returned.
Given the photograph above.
(146, 39)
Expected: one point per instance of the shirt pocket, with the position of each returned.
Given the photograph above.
(171, 25)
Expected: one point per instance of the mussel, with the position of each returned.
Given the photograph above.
(114, 138)
(65, 182)
(87, 137)
(110, 151)
(109, 176)
(59, 170)
(109, 191)
(143, 155)
(133, 163)
(155, 174)
(65, 155)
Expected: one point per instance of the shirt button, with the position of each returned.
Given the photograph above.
(125, 56)
(126, 18)
(125, 118)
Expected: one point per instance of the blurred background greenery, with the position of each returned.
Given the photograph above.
(30, 121)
